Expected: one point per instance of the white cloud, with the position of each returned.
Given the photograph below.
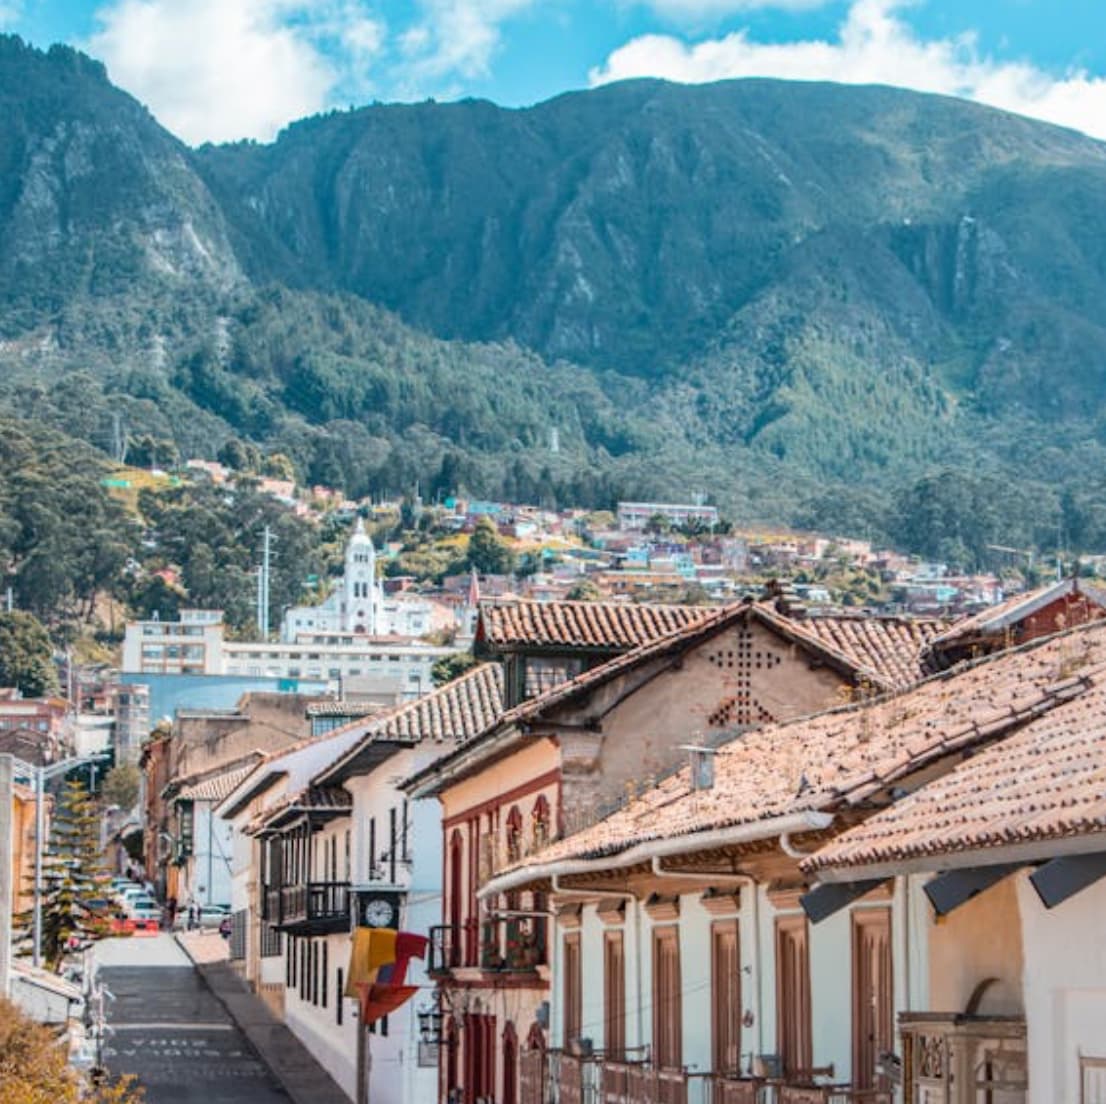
(872, 47)
(11, 11)
(218, 70)
(457, 37)
(690, 11)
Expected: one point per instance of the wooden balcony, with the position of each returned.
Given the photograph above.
(316, 908)
(960, 1059)
(570, 1079)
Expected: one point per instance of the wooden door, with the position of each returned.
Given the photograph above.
(573, 988)
(873, 994)
(793, 1026)
(614, 995)
(725, 998)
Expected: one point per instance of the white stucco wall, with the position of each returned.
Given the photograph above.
(830, 974)
(1064, 988)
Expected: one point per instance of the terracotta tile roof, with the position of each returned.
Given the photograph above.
(847, 756)
(798, 632)
(458, 711)
(1013, 609)
(217, 786)
(891, 646)
(617, 626)
(504, 731)
(1046, 781)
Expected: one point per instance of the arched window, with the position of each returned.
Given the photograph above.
(540, 823)
(514, 835)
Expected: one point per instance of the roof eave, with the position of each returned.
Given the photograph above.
(1028, 853)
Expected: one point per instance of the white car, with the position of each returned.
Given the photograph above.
(145, 912)
(211, 916)
(142, 903)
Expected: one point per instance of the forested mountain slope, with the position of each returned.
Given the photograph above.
(802, 298)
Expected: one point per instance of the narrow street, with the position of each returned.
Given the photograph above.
(169, 1031)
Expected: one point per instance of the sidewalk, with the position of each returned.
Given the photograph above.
(304, 1080)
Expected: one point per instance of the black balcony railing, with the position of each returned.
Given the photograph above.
(504, 944)
(311, 909)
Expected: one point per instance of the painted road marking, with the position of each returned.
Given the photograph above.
(172, 1027)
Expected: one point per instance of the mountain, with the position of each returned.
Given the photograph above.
(804, 298)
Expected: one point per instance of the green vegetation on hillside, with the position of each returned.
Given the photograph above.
(861, 309)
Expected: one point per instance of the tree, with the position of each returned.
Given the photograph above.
(487, 552)
(585, 590)
(75, 908)
(34, 1069)
(450, 667)
(121, 786)
(26, 655)
(278, 466)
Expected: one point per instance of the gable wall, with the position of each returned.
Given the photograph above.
(744, 676)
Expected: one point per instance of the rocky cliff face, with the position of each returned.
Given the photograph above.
(842, 281)
(95, 196)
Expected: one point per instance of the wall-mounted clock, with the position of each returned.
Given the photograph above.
(377, 909)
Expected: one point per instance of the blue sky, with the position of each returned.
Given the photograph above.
(224, 69)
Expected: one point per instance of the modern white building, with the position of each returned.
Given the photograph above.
(392, 670)
(358, 605)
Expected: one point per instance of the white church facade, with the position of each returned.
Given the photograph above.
(357, 606)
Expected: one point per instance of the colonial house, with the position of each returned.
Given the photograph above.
(197, 749)
(199, 844)
(336, 851)
(258, 948)
(591, 722)
(1019, 619)
(1009, 848)
(694, 959)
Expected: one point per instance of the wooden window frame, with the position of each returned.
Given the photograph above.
(861, 919)
(614, 993)
(668, 1035)
(725, 998)
(573, 973)
(787, 929)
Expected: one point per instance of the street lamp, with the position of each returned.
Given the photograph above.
(38, 773)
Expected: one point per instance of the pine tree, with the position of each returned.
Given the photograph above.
(75, 906)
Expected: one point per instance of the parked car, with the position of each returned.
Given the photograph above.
(146, 912)
(211, 916)
(142, 903)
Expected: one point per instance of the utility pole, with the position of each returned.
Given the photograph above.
(118, 438)
(265, 567)
(7, 804)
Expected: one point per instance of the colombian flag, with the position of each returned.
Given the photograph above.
(378, 968)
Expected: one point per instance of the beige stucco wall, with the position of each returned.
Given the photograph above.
(724, 685)
(979, 940)
(532, 761)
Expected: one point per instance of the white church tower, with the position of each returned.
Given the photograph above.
(361, 594)
(356, 606)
